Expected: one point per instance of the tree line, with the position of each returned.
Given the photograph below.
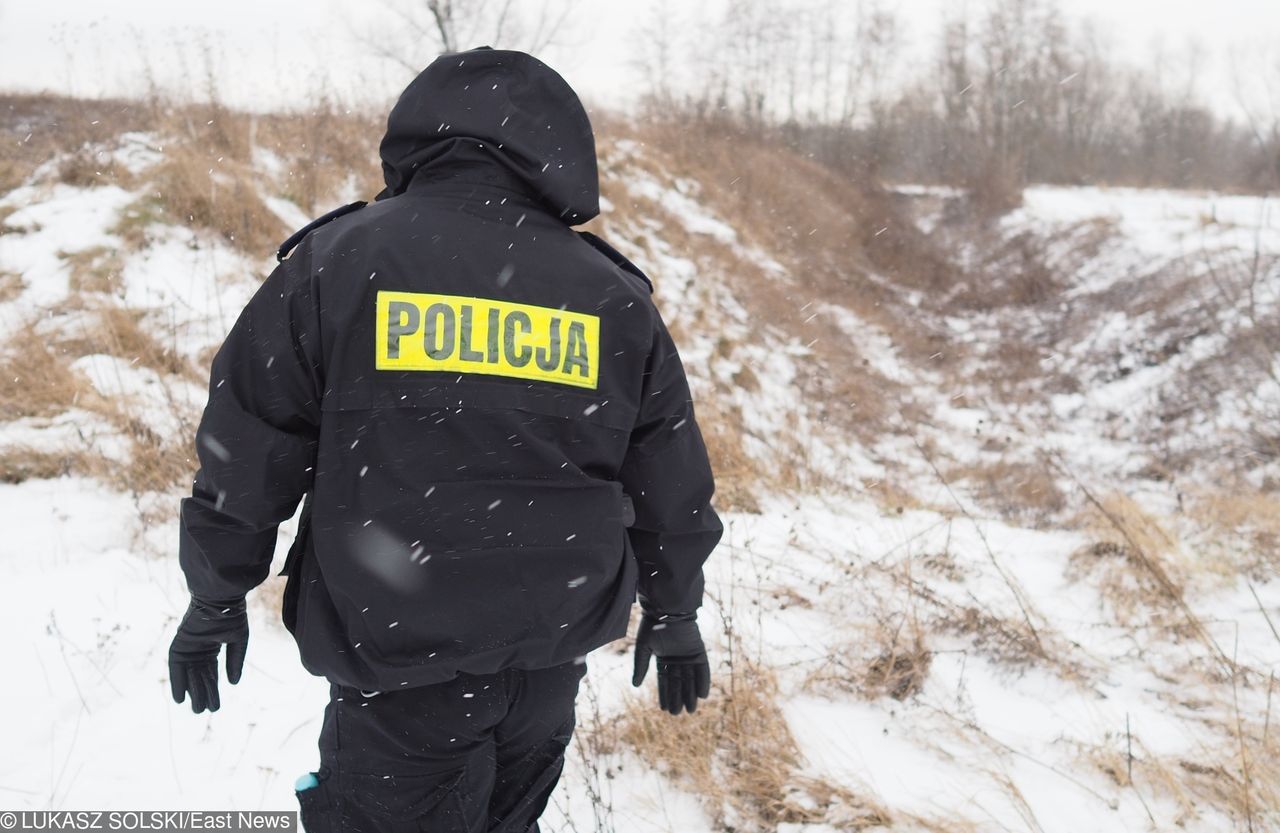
(1017, 93)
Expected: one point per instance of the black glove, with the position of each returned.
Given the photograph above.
(684, 674)
(193, 656)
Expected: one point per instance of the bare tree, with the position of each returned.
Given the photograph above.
(1015, 92)
(655, 54)
(1256, 80)
(425, 28)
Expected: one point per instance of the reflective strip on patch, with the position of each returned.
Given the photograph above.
(454, 333)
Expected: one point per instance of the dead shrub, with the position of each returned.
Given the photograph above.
(1008, 640)
(899, 673)
(944, 565)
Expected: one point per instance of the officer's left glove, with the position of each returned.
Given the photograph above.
(684, 675)
(193, 656)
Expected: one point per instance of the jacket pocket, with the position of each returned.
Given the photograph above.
(316, 807)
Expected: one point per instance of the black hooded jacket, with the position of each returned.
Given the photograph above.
(487, 418)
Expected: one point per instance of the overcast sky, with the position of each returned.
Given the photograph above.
(266, 53)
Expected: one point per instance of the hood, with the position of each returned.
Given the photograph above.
(516, 109)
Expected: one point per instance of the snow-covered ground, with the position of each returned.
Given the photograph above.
(1043, 703)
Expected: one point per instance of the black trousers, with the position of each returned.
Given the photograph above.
(476, 754)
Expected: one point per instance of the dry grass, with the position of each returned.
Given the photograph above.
(207, 176)
(325, 151)
(210, 177)
(131, 335)
(898, 670)
(1008, 640)
(89, 166)
(95, 269)
(1020, 492)
(1120, 521)
(737, 474)
(126, 333)
(156, 463)
(196, 187)
(269, 596)
(134, 224)
(11, 285)
(839, 239)
(35, 128)
(1116, 570)
(36, 381)
(12, 175)
(1153, 573)
(1245, 519)
(1133, 562)
(21, 463)
(737, 754)
(5, 212)
(1239, 777)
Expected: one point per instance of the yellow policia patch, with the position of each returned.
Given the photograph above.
(453, 333)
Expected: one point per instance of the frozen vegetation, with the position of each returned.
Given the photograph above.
(1001, 545)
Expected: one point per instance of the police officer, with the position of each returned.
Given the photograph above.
(493, 439)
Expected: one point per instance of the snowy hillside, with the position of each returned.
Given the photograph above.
(1004, 499)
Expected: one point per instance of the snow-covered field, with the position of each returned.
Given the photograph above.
(1050, 683)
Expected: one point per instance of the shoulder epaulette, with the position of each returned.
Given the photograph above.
(617, 257)
(296, 237)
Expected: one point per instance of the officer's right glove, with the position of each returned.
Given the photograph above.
(193, 656)
(684, 675)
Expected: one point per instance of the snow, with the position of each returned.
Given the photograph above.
(55, 221)
(91, 589)
(89, 618)
(680, 200)
(1159, 222)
